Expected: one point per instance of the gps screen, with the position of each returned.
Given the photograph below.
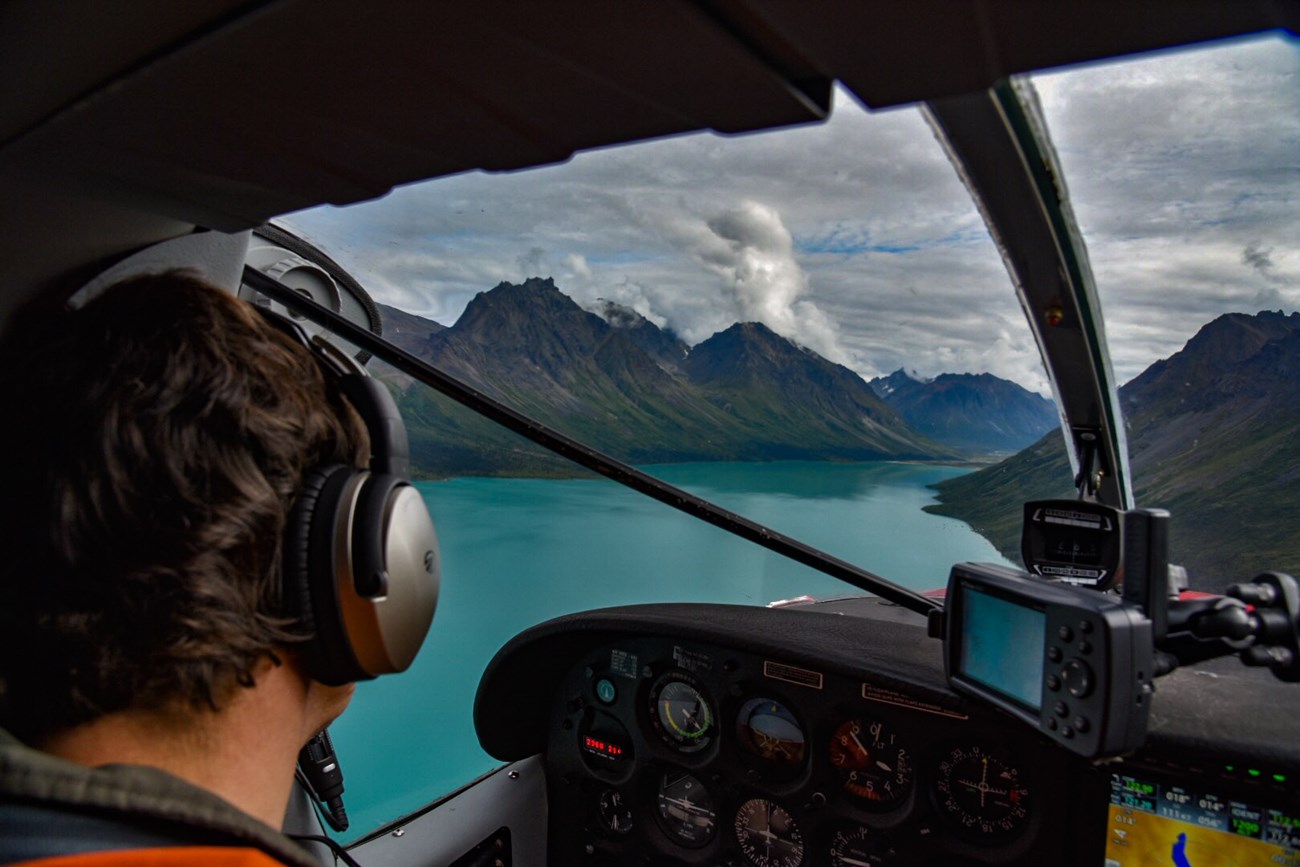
(1156, 823)
(1002, 646)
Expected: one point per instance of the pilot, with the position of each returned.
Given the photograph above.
(151, 686)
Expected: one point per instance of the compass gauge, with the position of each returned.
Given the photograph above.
(982, 793)
(768, 835)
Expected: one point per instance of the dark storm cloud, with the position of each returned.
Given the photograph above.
(1261, 260)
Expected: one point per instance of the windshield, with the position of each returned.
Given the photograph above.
(1184, 174)
(809, 327)
(693, 306)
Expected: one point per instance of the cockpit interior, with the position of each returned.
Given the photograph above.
(877, 726)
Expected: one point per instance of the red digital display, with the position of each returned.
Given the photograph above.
(603, 748)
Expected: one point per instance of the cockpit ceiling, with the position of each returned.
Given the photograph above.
(225, 114)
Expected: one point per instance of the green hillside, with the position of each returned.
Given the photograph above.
(1214, 437)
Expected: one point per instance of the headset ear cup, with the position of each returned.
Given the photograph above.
(370, 532)
(397, 573)
(295, 584)
(311, 572)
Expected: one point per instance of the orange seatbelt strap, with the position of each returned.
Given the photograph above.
(163, 856)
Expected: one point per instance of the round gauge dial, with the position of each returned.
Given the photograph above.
(982, 792)
(685, 809)
(768, 729)
(859, 846)
(872, 764)
(680, 713)
(768, 835)
(615, 814)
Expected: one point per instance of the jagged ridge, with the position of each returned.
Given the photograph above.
(634, 391)
(977, 412)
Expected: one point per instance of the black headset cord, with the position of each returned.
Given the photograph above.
(319, 767)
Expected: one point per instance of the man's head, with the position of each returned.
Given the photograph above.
(158, 439)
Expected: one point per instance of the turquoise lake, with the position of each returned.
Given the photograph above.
(516, 552)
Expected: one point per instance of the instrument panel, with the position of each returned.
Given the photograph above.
(663, 751)
(737, 736)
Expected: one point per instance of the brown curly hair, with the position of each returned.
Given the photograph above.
(159, 436)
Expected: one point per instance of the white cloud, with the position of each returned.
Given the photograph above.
(635, 297)
(577, 266)
(1184, 173)
(751, 252)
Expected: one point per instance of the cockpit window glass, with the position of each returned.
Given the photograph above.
(1184, 173)
(810, 327)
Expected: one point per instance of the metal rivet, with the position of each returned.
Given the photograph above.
(514, 775)
(399, 832)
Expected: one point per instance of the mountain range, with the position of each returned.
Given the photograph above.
(633, 390)
(613, 379)
(1212, 430)
(976, 412)
(1213, 437)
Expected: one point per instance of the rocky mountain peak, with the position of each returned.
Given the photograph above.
(904, 379)
(661, 344)
(979, 412)
(528, 314)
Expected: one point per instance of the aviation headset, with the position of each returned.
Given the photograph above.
(361, 568)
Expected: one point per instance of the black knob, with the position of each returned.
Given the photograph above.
(1077, 677)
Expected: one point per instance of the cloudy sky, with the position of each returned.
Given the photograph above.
(855, 237)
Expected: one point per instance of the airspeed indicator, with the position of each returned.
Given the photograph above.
(680, 713)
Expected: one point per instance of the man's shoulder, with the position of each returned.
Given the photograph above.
(50, 807)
